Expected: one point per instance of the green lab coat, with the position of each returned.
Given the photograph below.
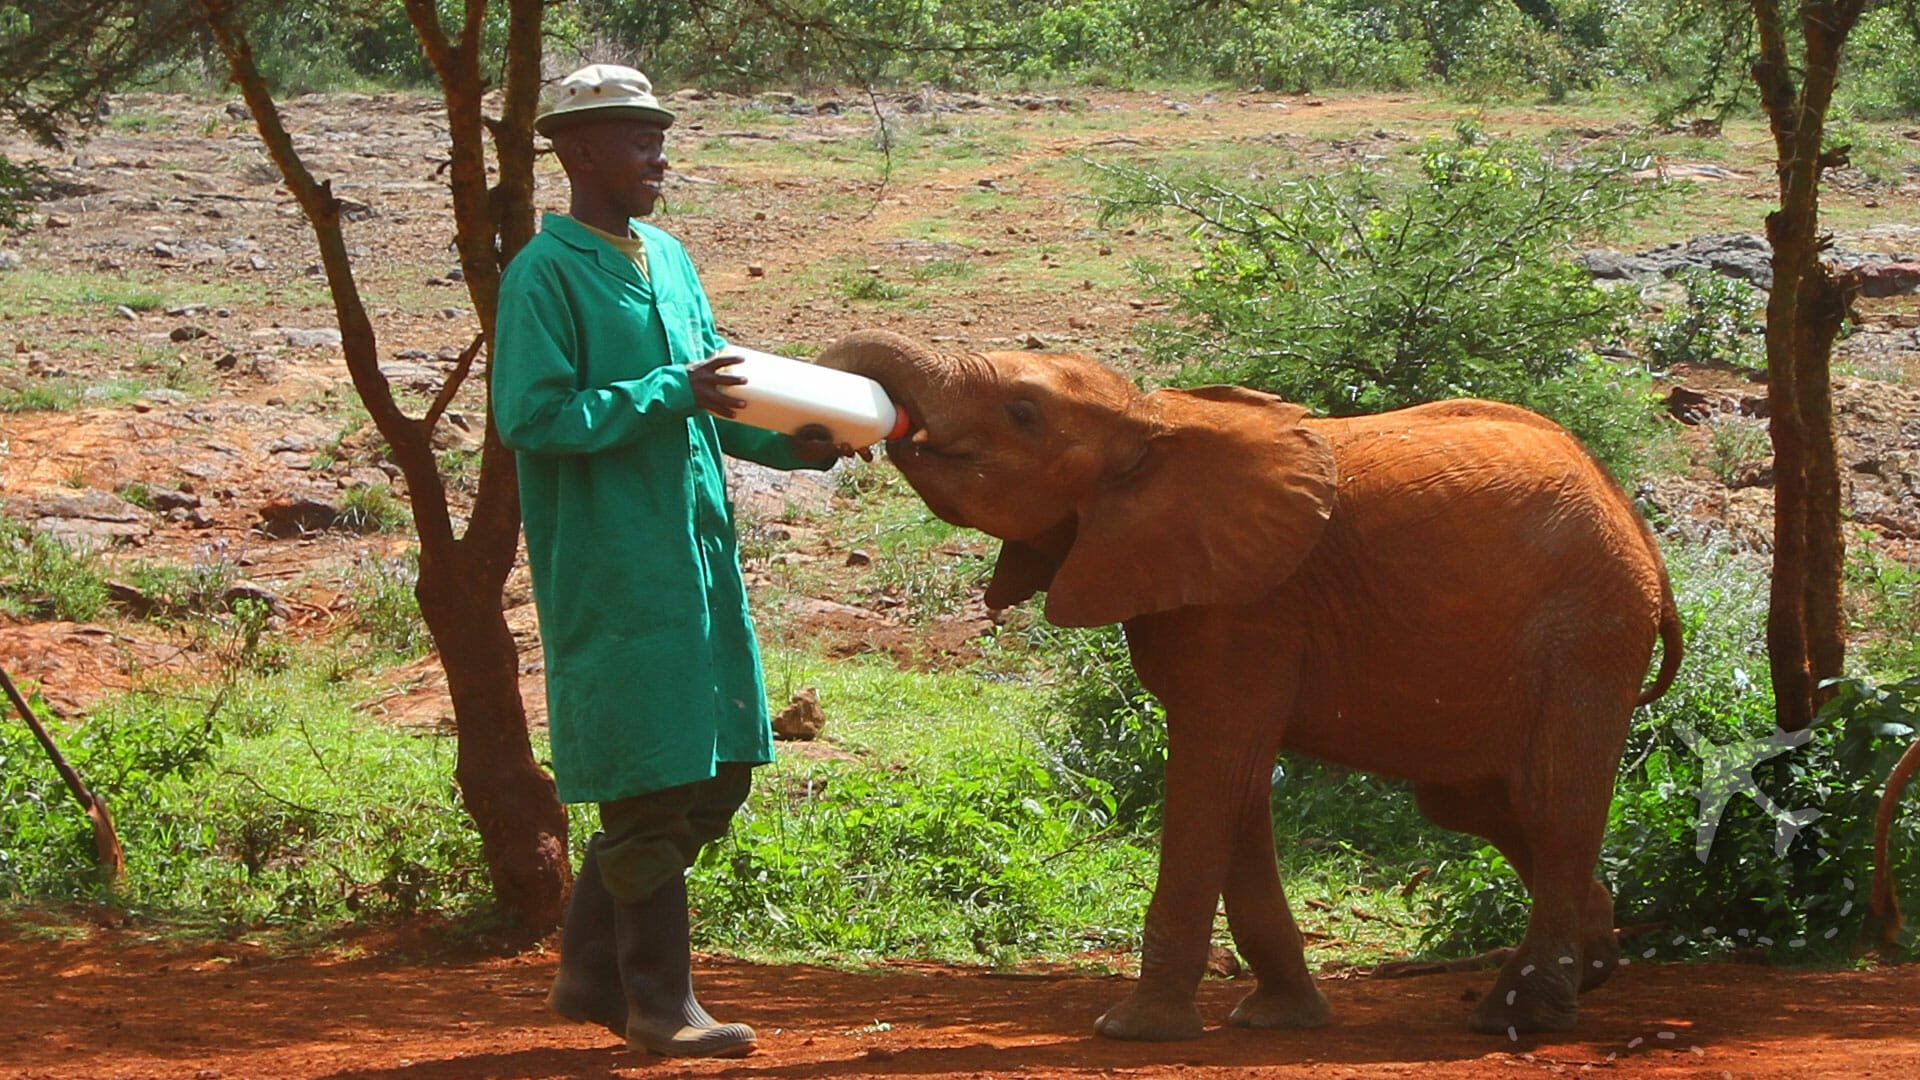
(653, 675)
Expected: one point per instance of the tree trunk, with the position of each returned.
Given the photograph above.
(523, 828)
(1805, 634)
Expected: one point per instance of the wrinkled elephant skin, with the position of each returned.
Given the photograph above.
(1455, 594)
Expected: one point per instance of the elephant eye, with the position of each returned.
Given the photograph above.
(1024, 413)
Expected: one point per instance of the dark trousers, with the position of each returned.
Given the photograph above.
(654, 837)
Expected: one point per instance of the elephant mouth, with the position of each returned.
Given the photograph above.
(919, 443)
(916, 445)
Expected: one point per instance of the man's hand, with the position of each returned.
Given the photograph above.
(815, 443)
(710, 383)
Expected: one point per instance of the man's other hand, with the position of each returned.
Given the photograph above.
(815, 443)
(710, 382)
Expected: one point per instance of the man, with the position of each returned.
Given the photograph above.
(654, 693)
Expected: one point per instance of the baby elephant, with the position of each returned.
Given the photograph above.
(1455, 594)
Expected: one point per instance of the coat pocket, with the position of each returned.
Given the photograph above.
(685, 341)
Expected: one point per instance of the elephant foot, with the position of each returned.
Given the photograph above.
(1150, 1020)
(1282, 1009)
(1529, 998)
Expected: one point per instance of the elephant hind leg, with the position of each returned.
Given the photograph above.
(1483, 809)
(1600, 945)
(1559, 799)
(1529, 995)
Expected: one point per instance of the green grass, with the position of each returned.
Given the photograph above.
(32, 292)
(42, 578)
(866, 285)
(267, 803)
(374, 508)
(139, 122)
(385, 612)
(50, 293)
(924, 720)
(1883, 605)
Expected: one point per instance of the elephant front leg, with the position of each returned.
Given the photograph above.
(1264, 929)
(1194, 850)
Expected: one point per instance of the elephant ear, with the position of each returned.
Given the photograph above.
(1229, 495)
(1026, 567)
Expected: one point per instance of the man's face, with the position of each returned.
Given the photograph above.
(625, 161)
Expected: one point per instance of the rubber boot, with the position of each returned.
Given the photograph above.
(656, 966)
(587, 989)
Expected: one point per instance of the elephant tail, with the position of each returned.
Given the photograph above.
(1671, 648)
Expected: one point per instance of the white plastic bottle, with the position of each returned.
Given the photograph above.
(784, 394)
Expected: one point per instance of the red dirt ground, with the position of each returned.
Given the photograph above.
(118, 1006)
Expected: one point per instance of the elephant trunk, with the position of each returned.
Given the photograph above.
(913, 374)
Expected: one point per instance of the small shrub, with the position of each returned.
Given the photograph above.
(1718, 323)
(264, 803)
(940, 269)
(374, 508)
(926, 584)
(859, 479)
(243, 641)
(1882, 65)
(1883, 601)
(1316, 46)
(42, 578)
(1357, 295)
(461, 470)
(197, 589)
(1736, 444)
(1109, 740)
(866, 285)
(381, 593)
(137, 494)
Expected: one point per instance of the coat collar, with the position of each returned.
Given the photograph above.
(581, 239)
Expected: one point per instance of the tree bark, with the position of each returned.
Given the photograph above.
(523, 828)
(1805, 633)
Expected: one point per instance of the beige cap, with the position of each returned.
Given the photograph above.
(602, 91)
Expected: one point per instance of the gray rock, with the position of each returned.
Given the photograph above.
(170, 499)
(84, 520)
(765, 494)
(299, 444)
(311, 339)
(1746, 256)
(413, 376)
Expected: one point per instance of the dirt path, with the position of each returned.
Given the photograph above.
(117, 1006)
